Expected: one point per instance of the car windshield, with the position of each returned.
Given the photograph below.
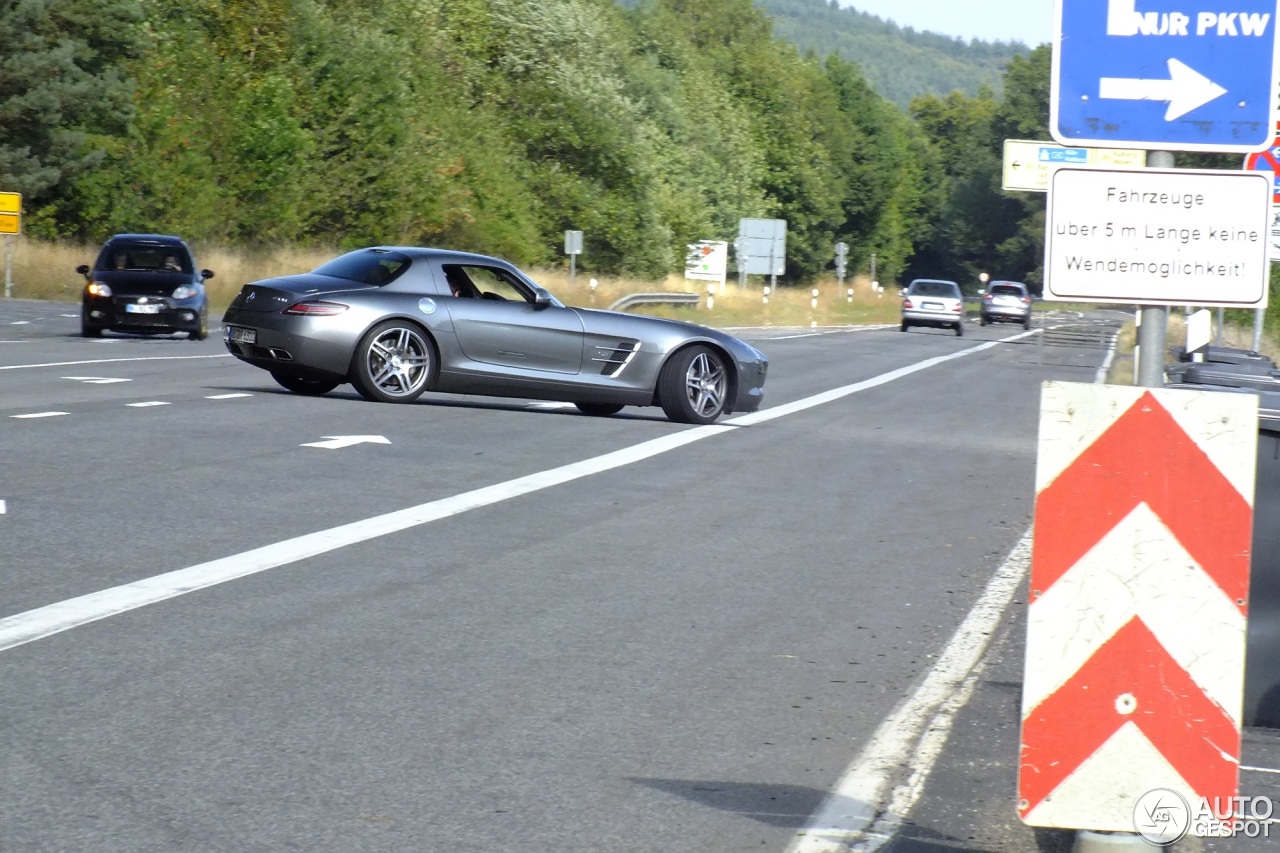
(371, 266)
(146, 257)
(1006, 290)
(933, 288)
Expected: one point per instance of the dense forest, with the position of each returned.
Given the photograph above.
(899, 62)
(494, 125)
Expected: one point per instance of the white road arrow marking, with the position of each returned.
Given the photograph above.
(336, 442)
(95, 380)
(1185, 90)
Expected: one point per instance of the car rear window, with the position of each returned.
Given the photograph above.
(144, 256)
(1006, 290)
(368, 266)
(933, 288)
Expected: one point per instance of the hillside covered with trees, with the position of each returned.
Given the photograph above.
(899, 62)
(494, 125)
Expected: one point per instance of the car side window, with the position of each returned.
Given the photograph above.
(490, 283)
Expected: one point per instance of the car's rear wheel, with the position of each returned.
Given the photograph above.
(301, 385)
(1026, 324)
(694, 385)
(982, 320)
(599, 410)
(960, 329)
(393, 363)
(905, 325)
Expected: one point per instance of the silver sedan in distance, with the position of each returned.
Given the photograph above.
(398, 321)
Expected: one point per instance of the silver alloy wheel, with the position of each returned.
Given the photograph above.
(398, 361)
(705, 384)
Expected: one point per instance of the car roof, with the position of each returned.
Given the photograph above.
(1014, 283)
(166, 239)
(932, 281)
(442, 254)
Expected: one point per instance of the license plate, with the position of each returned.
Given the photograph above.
(931, 306)
(134, 308)
(242, 336)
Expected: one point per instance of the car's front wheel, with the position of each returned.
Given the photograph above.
(393, 363)
(694, 385)
(301, 385)
(199, 334)
(599, 410)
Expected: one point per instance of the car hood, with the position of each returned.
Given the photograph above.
(273, 294)
(133, 283)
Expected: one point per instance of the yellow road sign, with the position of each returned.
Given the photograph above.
(1028, 164)
(10, 202)
(10, 223)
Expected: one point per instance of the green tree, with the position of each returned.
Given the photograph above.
(62, 95)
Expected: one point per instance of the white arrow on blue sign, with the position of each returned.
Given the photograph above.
(1188, 75)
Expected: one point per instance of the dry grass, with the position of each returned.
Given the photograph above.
(45, 270)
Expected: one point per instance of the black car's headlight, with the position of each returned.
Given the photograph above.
(186, 291)
(98, 288)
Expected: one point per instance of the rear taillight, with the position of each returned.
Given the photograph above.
(958, 307)
(906, 303)
(1026, 300)
(987, 298)
(316, 309)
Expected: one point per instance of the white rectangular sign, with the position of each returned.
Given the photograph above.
(1158, 237)
(1028, 164)
(707, 260)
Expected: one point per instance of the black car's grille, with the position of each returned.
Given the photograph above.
(614, 358)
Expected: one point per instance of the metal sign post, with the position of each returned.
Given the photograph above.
(842, 257)
(10, 224)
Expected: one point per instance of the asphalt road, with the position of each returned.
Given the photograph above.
(679, 643)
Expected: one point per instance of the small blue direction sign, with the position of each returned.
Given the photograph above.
(1176, 75)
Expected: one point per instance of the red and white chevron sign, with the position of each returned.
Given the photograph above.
(1138, 599)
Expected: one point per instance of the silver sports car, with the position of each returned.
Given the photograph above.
(396, 321)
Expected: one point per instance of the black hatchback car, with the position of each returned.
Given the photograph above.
(146, 284)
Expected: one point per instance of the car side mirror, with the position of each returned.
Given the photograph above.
(83, 269)
(206, 273)
(541, 298)
(981, 291)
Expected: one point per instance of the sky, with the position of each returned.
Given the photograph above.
(1027, 21)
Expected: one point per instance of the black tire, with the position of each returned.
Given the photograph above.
(394, 362)
(905, 325)
(982, 321)
(1026, 324)
(301, 385)
(203, 332)
(599, 410)
(87, 331)
(693, 387)
(960, 329)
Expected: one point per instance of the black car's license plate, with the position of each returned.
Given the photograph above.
(151, 308)
(237, 335)
(931, 306)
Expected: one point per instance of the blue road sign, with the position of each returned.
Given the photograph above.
(1176, 75)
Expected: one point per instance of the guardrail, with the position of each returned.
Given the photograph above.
(655, 299)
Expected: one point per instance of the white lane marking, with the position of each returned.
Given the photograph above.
(227, 396)
(4, 508)
(832, 332)
(862, 794)
(147, 405)
(1101, 376)
(39, 415)
(95, 380)
(551, 406)
(62, 616)
(337, 442)
(111, 360)
(68, 315)
(1259, 769)
(874, 382)
(16, 342)
(20, 323)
